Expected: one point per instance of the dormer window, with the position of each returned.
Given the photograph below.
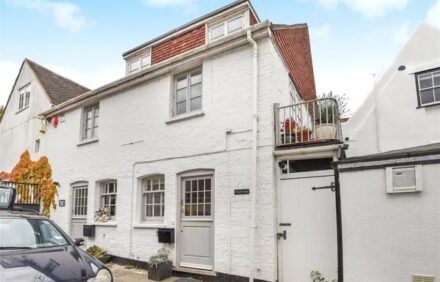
(24, 97)
(428, 87)
(226, 28)
(139, 63)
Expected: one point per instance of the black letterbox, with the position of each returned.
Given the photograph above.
(89, 230)
(165, 235)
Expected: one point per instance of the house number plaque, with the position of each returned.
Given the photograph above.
(241, 192)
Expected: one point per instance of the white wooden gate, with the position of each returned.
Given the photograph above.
(307, 226)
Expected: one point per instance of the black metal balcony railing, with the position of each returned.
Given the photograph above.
(26, 193)
(307, 122)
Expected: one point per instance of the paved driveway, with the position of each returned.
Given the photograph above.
(122, 274)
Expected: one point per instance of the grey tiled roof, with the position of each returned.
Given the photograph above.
(58, 88)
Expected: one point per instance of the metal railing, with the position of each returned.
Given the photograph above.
(26, 193)
(312, 121)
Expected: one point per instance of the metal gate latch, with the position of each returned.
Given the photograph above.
(282, 235)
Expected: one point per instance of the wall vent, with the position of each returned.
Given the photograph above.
(404, 179)
(422, 278)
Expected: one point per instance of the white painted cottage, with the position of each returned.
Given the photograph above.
(213, 125)
(390, 184)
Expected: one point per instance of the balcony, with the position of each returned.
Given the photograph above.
(312, 122)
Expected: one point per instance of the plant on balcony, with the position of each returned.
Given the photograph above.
(159, 266)
(316, 276)
(288, 131)
(326, 118)
(102, 215)
(303, 134)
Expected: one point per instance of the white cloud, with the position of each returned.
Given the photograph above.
(433, 15)
(402, 34)
(367, 7)
(8, 72)
(321, 32)
(66, 15)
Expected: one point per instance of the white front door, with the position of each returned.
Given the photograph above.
(197, 223)
(79, 211)
(307, 226)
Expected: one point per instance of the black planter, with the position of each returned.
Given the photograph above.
(160, 272)
(106, 258)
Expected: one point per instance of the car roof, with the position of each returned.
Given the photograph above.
(20, 214)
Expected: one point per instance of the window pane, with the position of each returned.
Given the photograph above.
(207, 197)
(187, 210)
(156, 198)
(437, 94)
(201, 184)
(200, 210)
(149, 211)
(156, 210)
(207, 209)
(187, 186)
(181, 108)
(217, 31)
(146, 61)
(181, 95)
(149, 199)
(425, 81)
(181, 83)
(193, 209)
(194, 185)
(196, 104)
(196, 90)
(196, 77)
(235, 24)
(134, 66)
(112, 211)
(201, 198)
(208, 184)
(437, 78)
(427, 96)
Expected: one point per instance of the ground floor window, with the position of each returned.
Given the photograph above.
(108, 197)
(153, 198)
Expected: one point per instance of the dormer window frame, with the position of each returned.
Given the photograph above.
(142, 61)
(225, 24)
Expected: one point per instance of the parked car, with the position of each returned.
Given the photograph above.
(34, 248)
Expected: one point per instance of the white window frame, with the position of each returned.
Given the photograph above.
(189, 86)
(143, 60)
(226, 32)
(147, 186)
(417, 174)
(104, 194)
(94, 109)
(24, 97)
(433, 87)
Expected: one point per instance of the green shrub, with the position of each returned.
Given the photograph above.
(96, 251)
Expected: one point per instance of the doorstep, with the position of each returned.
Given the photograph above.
(195, 271)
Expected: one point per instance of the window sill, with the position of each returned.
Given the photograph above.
(428, 105)
(108, 223)
(21, 110)
(149, 225)
(182, 117)
(88, 141)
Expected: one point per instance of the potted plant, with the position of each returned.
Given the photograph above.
(288, 131)
(102, 215)
(159, 266)
(99, 253)
(316, 276)
(326, 117)
(303, 134)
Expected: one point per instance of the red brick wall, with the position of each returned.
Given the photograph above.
(252, 18)
(293, 43)
(178, 45)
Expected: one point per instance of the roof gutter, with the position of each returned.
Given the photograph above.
(260, 30)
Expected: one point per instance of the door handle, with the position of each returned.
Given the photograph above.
(282, 235)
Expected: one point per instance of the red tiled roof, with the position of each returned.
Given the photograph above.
(293, 43)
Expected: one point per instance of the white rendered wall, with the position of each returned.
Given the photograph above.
(390, 119)
(20, 129)
(389, 237)
(133, 128)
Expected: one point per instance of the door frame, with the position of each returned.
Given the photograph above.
(286, 177)
(74, 185)
(180, 177)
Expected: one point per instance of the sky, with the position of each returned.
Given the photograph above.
(353, 41)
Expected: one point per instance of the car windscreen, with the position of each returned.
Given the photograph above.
(29, 233)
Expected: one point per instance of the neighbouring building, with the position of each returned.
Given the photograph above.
(390, 184)
(202, 141)
(36, 89)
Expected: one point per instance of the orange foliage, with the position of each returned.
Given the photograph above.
(37, 172)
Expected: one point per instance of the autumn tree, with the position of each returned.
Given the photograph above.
(36, 172)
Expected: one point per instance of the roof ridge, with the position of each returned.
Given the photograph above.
(51, 71)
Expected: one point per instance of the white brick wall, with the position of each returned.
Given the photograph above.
(139, 116)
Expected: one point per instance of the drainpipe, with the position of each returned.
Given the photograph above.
(254, 151)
